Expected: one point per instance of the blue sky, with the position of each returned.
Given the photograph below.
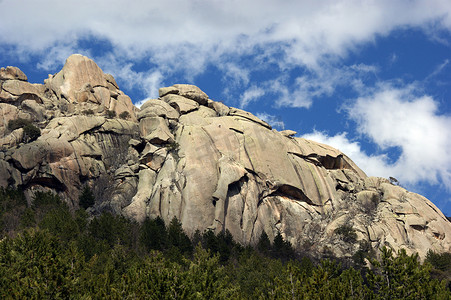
(372, 78)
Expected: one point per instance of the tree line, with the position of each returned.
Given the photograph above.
(47, 251)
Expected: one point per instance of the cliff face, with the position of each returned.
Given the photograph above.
(212, 166)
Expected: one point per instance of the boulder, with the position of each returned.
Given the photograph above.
(220, 108)
(17, 88)
(72, 127)
(155, 130)
(34, 109)
(248, 116)
(5, 173)
(186, 90)
(288, 133)
(157, 108)
(181, 104)
(8, 112)
(30, 155)
(78, 73)
(12, 139)
(137, 208)
(12, 73)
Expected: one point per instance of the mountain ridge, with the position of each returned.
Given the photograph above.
(212, 166)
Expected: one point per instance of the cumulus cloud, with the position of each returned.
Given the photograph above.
(251, 94)
(403, 117)
(186, 36)
(148, 82)
(272, 120)
(58, 54)
(319, 83)
(372, 165)
(238, 75)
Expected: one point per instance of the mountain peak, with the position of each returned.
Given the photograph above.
(212, 166)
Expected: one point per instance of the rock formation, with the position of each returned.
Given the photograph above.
(211, 166)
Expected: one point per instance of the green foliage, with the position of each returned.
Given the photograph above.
(255, 274)
(365, 251)
(403, 277)
(60, 223)
(45, 203)
(282, 249)
(222, 244)
(31, 132)
(172, 146)
(28, 218)
(207, 279)
(440, 261)
(154, 278)
(158, 278)
(264, 244)
(124, 115)
(36, 266)
(110, 114)
(441, 264)
(347, 233)
(64, 254)
(177, 238)
(18, 123)
(46, 200)
(153, 234)
(10, 198)
(111, 229)
(12, 205)
(88, 112)
(86, 198)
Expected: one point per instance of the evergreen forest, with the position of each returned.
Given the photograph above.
(50, 252)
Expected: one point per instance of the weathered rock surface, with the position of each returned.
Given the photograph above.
(12, 73)
(78, 143)
(211, 166)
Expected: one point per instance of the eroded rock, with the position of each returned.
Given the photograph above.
(12, 73)
(211, 166)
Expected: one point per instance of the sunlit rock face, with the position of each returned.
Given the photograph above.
(211, 166)
(79, 143)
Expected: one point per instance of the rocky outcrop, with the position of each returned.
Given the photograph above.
(79, 143)
(211, 166)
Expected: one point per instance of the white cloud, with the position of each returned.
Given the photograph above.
(148, 82)
(438, 69)
(251, 94)
(272, 120)
(57, 55)
(404, 118)
(185, 36)
(235, 74)
(372, 165)
(318, 83)
(401, 118)
(393, 58)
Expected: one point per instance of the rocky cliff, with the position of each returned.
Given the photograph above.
(211, 166)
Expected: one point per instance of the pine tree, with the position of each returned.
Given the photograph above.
(153, 234)
(86, 198)
(403, 277)
(264, 244)
(177, 237)
(282, 249)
